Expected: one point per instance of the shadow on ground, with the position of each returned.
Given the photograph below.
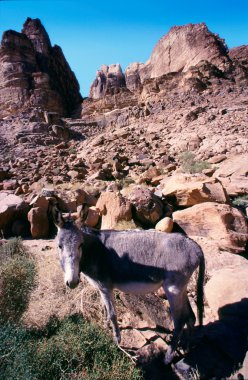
(216, 350)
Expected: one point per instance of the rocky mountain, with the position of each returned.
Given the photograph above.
(180, 49)
(33, 73)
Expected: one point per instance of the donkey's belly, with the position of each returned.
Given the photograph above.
(138, 287)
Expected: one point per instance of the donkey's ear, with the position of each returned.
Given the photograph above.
(84, 213)
(57, 217)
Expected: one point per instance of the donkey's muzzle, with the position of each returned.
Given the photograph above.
(72, 284)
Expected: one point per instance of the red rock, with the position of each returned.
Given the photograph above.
(38, 219)
(11, 208)
(31, 64)
(192, 189)
(148, 207)
(92, 217)
(224, 224)
(113, 208)
(195, 43)
(227, 286)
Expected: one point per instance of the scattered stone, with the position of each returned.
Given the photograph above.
(164, 225)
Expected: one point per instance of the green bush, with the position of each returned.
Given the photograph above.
(241, 201)
(71, 349)
(190, 165)
(17, 280)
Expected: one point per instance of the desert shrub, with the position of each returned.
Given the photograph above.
(123, 225)
(241, 201)
(17, 280)
(190, 165)
(71, 349)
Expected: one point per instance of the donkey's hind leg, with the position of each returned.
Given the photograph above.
(180, 313)
(109, 308)
(190, 322)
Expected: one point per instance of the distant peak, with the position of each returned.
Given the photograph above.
(36, 32)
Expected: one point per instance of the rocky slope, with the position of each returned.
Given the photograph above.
(35, 74)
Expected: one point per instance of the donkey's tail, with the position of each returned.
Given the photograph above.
(200, 290)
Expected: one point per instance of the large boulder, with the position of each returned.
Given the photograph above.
(233, 174)
(38, 220)
(148, 208)
(113, 208)
(226, 287)
(12, 207)
(192, 189)
(224, 224)
(38, 217)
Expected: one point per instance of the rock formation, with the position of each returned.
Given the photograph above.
(109, 80)
(35, 74)
(132, 75)
(180, 49)
(240, 55)
(183, 47)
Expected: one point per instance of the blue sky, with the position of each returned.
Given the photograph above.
(92, 33)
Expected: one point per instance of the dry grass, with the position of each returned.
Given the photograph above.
(51, 297)
(126, 225)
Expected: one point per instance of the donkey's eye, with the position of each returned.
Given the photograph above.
(60, 246)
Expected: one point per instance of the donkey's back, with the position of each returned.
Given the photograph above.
(152, 248)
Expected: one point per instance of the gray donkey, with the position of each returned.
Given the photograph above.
(137, 262)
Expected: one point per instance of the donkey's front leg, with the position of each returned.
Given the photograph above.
(108, 302)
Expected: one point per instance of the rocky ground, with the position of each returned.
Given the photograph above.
(159, 146)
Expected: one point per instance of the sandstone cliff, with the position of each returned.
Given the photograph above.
(109, 80)
(183, 47)
(35, 74)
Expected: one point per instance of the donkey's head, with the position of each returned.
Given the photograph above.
(69, 241)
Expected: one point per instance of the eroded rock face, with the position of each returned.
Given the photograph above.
(194, 42)
(108, 80)
(35, 74)
(233, 174)
(240, 55)
(132, 75)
